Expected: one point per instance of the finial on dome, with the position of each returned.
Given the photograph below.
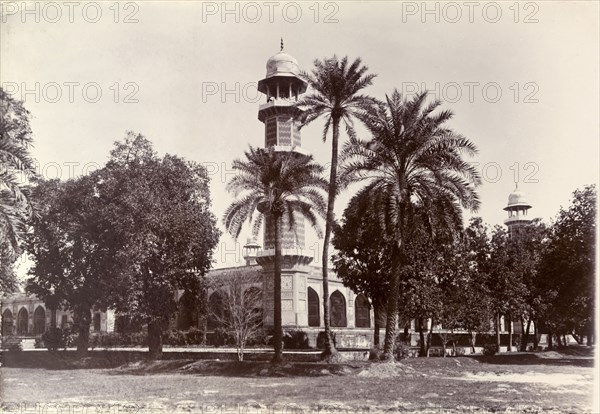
(281, 47)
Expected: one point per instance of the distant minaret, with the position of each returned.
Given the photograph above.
(517, 212)
(282, 86)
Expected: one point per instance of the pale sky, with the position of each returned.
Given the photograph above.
(521, 78)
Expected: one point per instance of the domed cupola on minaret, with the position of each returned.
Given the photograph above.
(517, 211)
(282, 86)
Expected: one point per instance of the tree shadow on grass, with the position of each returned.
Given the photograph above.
(137, 363)
(535, 359)
(66, 360)
(236, 368)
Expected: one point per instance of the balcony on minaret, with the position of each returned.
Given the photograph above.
(250, 251)
(517, 216)
(517, 209)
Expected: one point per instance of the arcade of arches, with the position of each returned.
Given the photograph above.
(22, 323)
(189, 310)
(28, 316)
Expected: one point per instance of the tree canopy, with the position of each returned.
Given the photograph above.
(413, 167)
(16, 169)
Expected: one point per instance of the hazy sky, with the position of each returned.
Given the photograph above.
(521, 78)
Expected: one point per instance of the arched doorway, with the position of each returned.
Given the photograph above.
(362, 312)
(23, 322)
(39, 321)
(337, 304)
(314, 315)
(7, 323)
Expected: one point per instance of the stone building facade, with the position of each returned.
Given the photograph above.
(27, 317)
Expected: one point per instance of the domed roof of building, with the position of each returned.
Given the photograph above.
(282, 64)
(517, 199)
(283, 77)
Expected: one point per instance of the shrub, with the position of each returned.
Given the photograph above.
(114, 339)
(194, 336)
(268, 338)
(490, 349)
(460, 351)
(174, 337)
(220, 337)
(15, 347)
(69, 338)
(321, 340)
(53, 339)
(295, 339)
(375, 354)
(402, 350)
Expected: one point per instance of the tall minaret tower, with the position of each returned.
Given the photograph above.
(282, 85)
(517, 212)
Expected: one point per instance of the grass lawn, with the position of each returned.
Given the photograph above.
(544, 382)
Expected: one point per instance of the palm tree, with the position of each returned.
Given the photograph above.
(413, 166)
(336, 85)
(277, 185)
(16, 166)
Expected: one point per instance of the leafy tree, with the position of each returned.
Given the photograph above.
(276, 184)
(530, 246)
(16, 169)
(8, 256)
(160, 208)
(412, 163)
(569, 267)
(509, 266)
(362, 260)
(473, 293)
(518, 287)
(242, 306)
(425, 278)
(336, 84)
(69, 243)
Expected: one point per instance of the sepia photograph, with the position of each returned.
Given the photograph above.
(299, 207)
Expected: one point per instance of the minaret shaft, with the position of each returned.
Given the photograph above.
(282, 86)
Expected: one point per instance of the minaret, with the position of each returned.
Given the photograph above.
(250, 250)
(517, 212)
(282, 85)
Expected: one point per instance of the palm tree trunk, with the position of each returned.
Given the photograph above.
(329, 346)
(391, 323)
(376, 323)
(277, 333)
